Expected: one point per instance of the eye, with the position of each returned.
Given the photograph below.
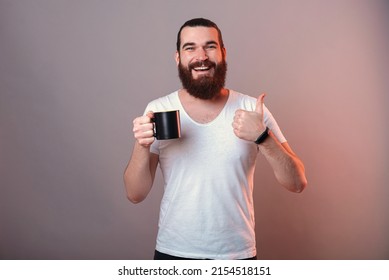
(212, 47)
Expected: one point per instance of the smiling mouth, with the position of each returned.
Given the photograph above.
(202, 68)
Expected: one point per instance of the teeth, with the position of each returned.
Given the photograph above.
(201, 68)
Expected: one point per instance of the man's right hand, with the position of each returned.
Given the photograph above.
(144, 129)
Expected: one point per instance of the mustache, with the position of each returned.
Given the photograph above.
(205, 63)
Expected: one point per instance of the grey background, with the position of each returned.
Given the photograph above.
(74, 74)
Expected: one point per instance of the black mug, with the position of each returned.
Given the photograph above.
(167, 125)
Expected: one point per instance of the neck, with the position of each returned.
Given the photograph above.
(203, 110)
(220, 97)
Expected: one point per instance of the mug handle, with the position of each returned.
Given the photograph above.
(154, 130)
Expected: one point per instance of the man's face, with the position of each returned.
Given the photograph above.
(201, 62)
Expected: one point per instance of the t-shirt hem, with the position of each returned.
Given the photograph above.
(231, 256)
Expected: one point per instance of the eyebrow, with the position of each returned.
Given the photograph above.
(193, 44)
(188, 44)
(211, 43)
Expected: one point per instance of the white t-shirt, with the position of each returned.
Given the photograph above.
(207, 208)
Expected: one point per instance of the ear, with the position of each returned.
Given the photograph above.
(224, 52)
(177, 57)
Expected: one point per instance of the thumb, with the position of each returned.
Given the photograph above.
(260, 101)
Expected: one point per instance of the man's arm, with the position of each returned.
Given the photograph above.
(140, 172)
(288, 168)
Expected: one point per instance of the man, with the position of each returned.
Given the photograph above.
(207, 208)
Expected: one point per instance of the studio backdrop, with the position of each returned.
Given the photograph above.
(74, 74)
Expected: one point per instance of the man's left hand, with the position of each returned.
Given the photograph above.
(248, 125)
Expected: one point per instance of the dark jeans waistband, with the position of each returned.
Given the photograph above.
(162, 256)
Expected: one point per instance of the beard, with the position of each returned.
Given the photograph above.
(204, 87)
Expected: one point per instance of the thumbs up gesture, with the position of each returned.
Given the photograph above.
(248, 125)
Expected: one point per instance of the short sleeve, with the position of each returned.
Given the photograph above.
(273, 125)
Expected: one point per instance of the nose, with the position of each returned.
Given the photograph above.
(201, 54)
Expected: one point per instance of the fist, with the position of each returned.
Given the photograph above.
(143, 129)
(248, 125)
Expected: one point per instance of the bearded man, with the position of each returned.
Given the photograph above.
(207, 209)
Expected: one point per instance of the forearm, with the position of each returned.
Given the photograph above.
(139, 174)
(288, 168)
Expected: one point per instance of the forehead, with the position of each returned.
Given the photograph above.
(199, 35)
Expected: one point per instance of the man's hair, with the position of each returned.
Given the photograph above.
(199, 22)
